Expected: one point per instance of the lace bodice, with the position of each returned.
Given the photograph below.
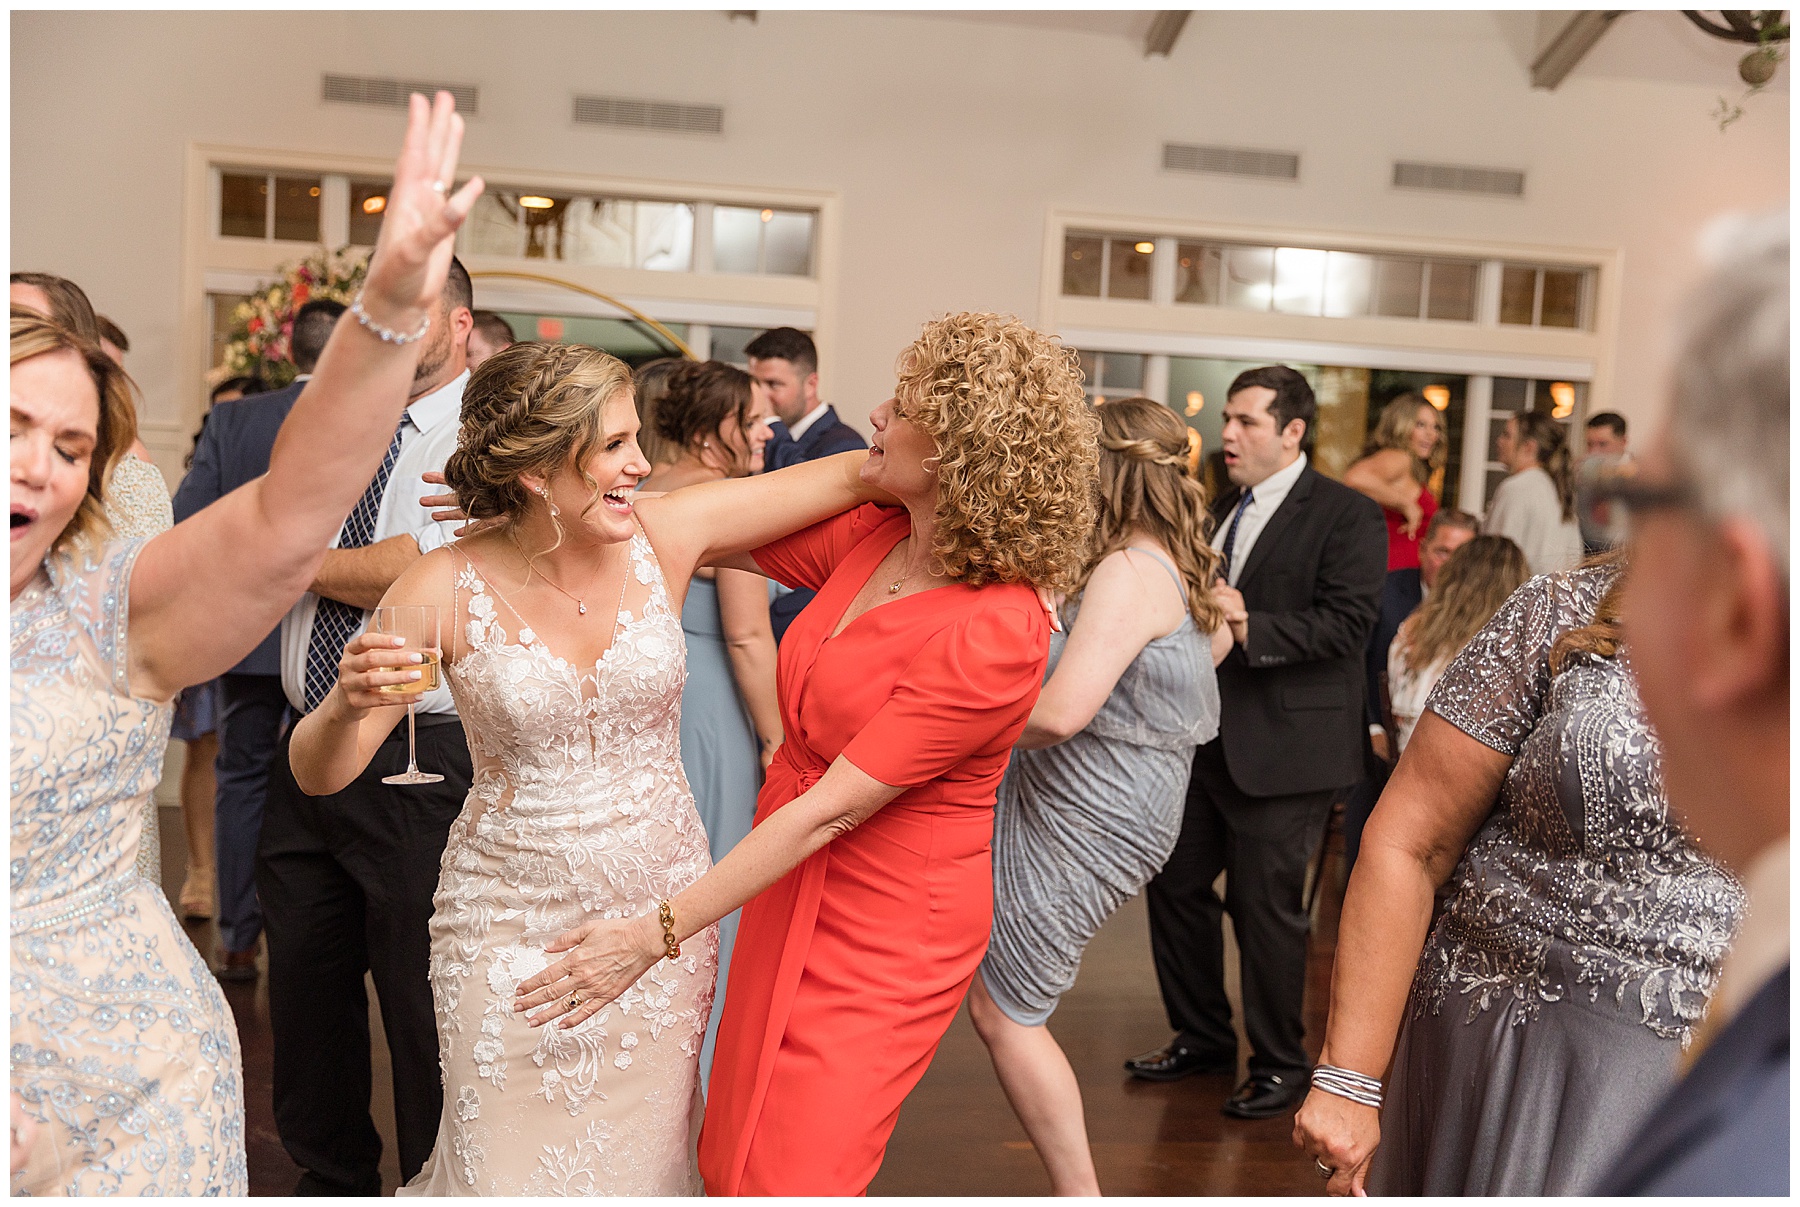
(579, 810)
(1579, 881)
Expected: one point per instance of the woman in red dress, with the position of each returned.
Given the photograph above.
(1403, 453)
(903, 687)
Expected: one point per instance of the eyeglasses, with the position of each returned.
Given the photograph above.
(1610, 497)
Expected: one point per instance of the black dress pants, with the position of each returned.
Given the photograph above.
(1263, 844)
(251, 709)
(346, 883)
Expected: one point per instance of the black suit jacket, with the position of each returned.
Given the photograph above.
(1291, 701)
(234, 448)
(1724, 1128)
(827, 435)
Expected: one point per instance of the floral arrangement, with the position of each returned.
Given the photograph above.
(260, 326)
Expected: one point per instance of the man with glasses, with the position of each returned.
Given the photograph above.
(1705, 611)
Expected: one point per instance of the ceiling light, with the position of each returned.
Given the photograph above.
(767, 215)
(1074, 255)
(1437, 396)
(1146, 247)
(532, 202)
(1195, 400)
(1563, 395)
(313, 192)
(375, 204)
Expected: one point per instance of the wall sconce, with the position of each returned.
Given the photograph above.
(1437, 396)
(1195, 400)
(1562, 393)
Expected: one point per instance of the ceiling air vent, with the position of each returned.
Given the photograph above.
(368, 90)
(649, 115)
(1491, 182)
(1231, 161)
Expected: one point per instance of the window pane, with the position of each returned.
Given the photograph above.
(1517, 286)
(221, 307)
(243, 206)
(1509, 393)
(728, 344)
(1123, 371)
(1299, 280)
(1562, 299)
(546, 225)
(297, 208)
(1128, 268)
(787, 243)
(1249, 277)
(1348, 278)
(1452, 291)
(1081, 266)
(1197, 273)
(737, 237)
(493, 226)
(601, 232)
(368, 200)
(1089, 366)
(1397, 286)
(665, 235)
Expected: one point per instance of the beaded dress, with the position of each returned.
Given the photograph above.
(1581, 937)
(122, 1046)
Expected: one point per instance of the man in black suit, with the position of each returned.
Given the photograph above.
(1303, 559)
(1706, 615)
(233, 448)
(786, 363)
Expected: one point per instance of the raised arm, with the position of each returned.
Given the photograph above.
(1128, 603)
(1443, 789)
(205, 592)
(718, 523)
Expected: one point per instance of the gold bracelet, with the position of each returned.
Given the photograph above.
(671, 949)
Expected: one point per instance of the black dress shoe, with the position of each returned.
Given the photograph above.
(1266, 1095)
(1176, 1060)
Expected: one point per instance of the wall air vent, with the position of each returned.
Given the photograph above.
(368, 90)
(1490, 182)
(1231, 161)
(649, 115)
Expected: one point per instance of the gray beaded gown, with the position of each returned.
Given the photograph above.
(1082, 826)
(1581, 938)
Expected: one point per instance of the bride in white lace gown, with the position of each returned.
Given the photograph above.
(567, 667)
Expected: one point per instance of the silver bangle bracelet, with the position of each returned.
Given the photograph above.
(388, 335)
(1347, 1083)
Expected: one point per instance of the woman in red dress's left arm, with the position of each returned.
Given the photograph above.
(903, 687)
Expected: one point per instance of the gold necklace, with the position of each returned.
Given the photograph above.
(580, 605)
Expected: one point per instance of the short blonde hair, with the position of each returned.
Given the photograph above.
(530, 409)
(1018, 449)
(34, 334)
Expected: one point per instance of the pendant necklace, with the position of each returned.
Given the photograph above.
(580, 605)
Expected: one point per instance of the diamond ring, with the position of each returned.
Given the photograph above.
(438, 186)
(574, 1000)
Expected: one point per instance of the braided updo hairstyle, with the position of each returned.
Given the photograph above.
(531, 409)
(1145, 485)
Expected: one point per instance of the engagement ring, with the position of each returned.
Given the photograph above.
(438, 186)
(574, 1000)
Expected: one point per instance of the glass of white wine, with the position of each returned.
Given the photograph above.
(419, 624)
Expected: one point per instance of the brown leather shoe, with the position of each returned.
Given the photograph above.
(236, 965)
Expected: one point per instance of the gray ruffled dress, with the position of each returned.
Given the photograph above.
(1082, 826)
(1581, 937)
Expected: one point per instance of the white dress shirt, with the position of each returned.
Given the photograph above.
(810, 418)
(427, 444)
(1266, 497)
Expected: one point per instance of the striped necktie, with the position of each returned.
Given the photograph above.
(1231, 535)
(335, 623)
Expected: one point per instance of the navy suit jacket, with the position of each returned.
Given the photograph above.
(827, 435)
(234, 448)
(1724, 1128)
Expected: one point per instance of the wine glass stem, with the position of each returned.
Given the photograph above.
(412, 748)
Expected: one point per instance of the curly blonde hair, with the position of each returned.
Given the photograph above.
(531, 409)
(35, 335)
(1018, 449)
(1146, 485)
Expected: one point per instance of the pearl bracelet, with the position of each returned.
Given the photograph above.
(388, 334)
(1347, 1083)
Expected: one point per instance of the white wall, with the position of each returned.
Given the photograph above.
(948, 140)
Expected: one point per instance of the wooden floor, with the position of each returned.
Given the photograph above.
(957, 1135)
